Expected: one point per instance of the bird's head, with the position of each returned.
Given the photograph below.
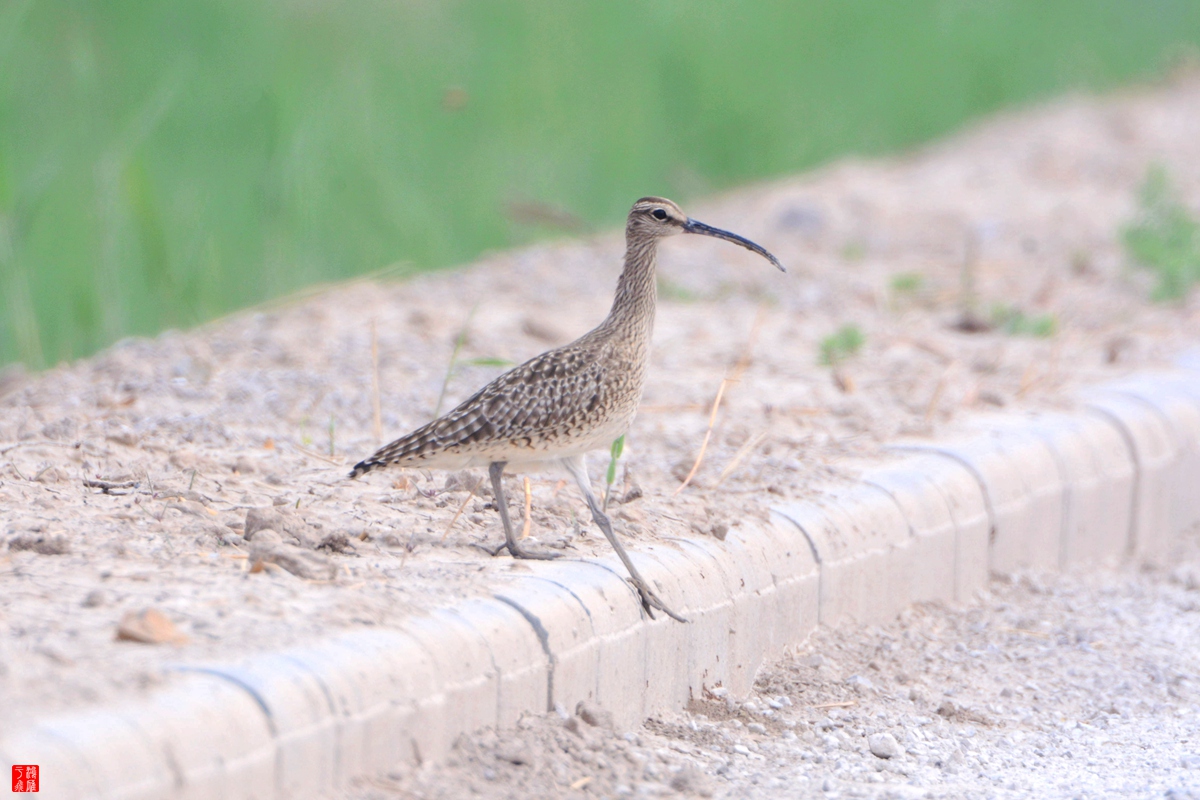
(657, 217)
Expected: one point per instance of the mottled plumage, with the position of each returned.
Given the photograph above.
(564, 402)
(567, 401)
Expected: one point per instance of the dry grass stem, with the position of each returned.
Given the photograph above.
(739, 368)
(302, 449)
(1028, 378)
(936, 397)
(839, 704)
(712, 420)
(743, 451)
(528, 509)
(462, 507)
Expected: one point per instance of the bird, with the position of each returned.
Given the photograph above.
(566, 402)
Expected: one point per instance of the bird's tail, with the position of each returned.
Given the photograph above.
(405, 451)
(365, 466)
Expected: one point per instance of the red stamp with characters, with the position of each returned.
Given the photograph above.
(26, 778)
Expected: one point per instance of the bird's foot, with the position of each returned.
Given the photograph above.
(650, 601)
(519, 552)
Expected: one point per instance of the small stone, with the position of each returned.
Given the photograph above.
(691, 781)
(243, 466)
(516, 753)
(258, 519)
(46, 545)
(884, 745)
(266, 537)
(947, 709)
(861, 684)
(286, 524)
(337, 542)
(296, 560)
(122, 435)
(741, 749)
(149, 626)
(757, 727)
(594, 715)
(94, 599)
(816, 661)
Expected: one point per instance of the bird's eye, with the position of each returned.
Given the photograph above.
(658, 213)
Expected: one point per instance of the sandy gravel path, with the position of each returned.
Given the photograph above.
(138, 479)
(1049, 686)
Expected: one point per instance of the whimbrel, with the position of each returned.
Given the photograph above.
(566, 402)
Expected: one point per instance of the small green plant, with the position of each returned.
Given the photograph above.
(854, 250)
(1016, 322)
(1165, 238)
(841, 345)
(618, 447)
(670, 290)
(907, 282)
(487, 361)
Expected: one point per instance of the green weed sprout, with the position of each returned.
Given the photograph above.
(1015, 322)
(1165, 238)
(907, 282)
(841, 345)
(618, 446)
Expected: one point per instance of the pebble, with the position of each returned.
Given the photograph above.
(756, 727)
(267, 536)
(884, 745)
(860, 684)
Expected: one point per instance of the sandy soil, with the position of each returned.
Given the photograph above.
(1049, 686)
(126, 480)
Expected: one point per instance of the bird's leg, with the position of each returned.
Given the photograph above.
(496, 471)
(649, 598)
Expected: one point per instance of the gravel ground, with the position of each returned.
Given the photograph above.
(1050, 685)
(136, 487)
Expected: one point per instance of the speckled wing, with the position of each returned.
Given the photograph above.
(541, 405)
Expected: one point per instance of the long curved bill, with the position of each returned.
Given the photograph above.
(693, 226)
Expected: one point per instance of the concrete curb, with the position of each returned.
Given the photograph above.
(1112, 482)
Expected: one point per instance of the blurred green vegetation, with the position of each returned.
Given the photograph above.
(1015, 322)
(841, 345)
(162, 163)
(1165, 238)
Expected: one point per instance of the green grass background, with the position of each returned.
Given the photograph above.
(165, 162)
